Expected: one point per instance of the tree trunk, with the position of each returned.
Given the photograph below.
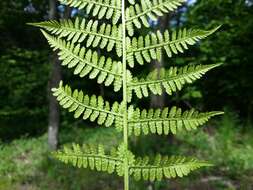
(54, 79)
(159, 101)
(54, 111)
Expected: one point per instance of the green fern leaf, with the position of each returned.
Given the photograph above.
(96, 158)
(171, 80)
(148, 48)
(165, 121)
(68, 38)
(109, 9)
(87, 62)
(103, 36)
(164, 167)
(89, 107)
(90, 156)
(139, 14)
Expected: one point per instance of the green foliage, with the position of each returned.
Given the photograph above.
(105, 36)
(109, 9)
(92, 157)
(164, 167)
(95, 158)
(25, 163)
(230, 146)
(87, 62)
(69, 37)
(166, 120)
(231, 47)
(23, 60)
(20, 70)
(19, 108)
(171, 80)
(89, 107)
(139, 14)
(150, 47)
(21, 158)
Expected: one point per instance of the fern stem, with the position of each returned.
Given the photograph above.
(125, 115)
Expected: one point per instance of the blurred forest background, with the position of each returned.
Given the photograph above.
(27, 111)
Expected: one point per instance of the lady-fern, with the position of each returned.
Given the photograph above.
(75, 41)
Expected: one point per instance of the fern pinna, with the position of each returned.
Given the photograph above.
(76, 42)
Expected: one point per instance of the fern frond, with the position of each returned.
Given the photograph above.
(89, 107)
(104, 36)
(96, 158)
(164, 167)
(150, 47)
(73, 40)
(109, 9)
(171, 80)
(165, 121)
(90, 156)
(87, 62)
(139, 14)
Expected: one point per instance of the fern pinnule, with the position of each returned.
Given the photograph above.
(147, 48)
(165, 121)
(97, 158)
(89, 107)
(165, 167)
(104, 36)
(90, 156)
(109, 9)
(140, 13)
(171, 80)
(87, 62)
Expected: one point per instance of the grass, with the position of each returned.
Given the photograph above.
(25, 163)
(229, 146)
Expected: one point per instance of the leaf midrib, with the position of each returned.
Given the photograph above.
(184, 39)
(188, 164)
(91, 156)
(88, 63)
(174, 78)
(88, 32)
(172, 119)
(89, 107)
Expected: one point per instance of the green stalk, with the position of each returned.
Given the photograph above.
(125, 122)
